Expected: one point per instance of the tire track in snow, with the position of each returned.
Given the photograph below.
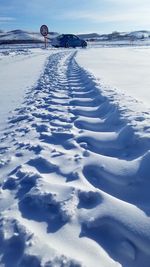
(74, 171)
(128, 178)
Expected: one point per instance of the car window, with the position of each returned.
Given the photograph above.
(75, 37)
(69, 37)
(60, 37)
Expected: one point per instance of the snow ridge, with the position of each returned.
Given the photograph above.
(74, 177)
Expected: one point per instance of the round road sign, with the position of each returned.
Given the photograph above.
(44, 30)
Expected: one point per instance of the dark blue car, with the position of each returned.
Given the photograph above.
(68, 40)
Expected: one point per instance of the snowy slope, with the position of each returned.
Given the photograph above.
(140, 34)
(20, 35)
(117, 36)
(74, 175)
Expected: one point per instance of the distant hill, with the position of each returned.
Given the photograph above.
(89, 35)
(20, 36)
(135, 35)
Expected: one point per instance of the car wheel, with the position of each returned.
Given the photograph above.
(67, 45)
(84, 45)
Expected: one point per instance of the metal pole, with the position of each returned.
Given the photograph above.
(45, 41)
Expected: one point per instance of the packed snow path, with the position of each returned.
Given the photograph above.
(74, 177)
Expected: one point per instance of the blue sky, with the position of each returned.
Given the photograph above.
(77, 16)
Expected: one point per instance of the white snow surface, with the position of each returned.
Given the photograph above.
(74, 166)
(124, 68)
(19, 70)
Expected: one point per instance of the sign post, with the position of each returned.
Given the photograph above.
(44, 32)
(45, 40)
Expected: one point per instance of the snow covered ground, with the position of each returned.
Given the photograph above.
(75, 160)
(19, 70)
(125, 68)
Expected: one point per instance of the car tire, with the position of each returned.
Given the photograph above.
(67, 45)
(84, 45)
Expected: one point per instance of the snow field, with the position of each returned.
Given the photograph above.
(123, 68)
(19, 70)
(74, 176)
